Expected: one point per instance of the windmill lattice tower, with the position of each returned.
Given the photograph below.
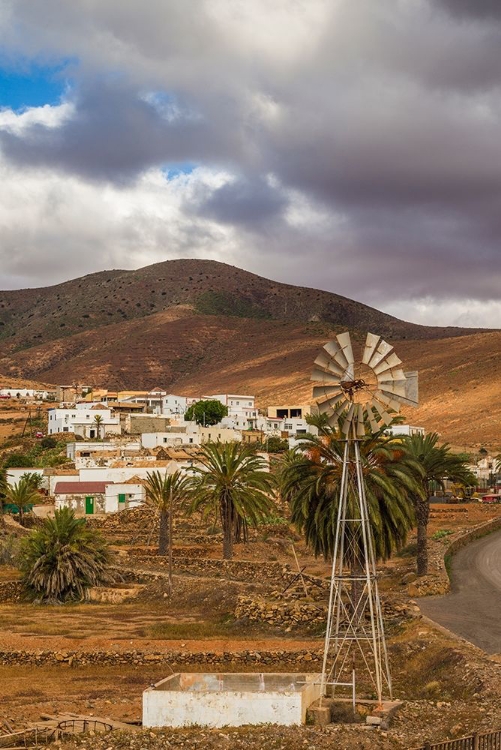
(357, 396)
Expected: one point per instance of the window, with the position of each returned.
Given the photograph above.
(190, 440)
(65, 429)
(165, 440)
(288, 426)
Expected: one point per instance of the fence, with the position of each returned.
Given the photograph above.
(475, 741)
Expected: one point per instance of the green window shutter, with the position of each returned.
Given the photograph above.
(121, 498)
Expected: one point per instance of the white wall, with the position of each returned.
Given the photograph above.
(134, 494)
(169, 439)
(14, 475)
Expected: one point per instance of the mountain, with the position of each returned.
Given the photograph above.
(200, 326)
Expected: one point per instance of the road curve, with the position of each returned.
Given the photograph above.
(473, 608)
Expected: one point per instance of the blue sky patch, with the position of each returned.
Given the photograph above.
(171, 171)
(33, 85)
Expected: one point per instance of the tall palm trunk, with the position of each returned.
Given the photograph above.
(163, 535)
(227, 522)
(422, 517)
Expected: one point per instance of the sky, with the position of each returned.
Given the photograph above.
(348, 145)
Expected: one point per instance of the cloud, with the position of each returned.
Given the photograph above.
(348, 146)
(485, 9)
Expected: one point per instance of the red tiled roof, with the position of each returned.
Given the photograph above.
(80, 488)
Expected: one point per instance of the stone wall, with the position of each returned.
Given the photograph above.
(175, 659)
(10, 591)
(286, 614)
(240, 570)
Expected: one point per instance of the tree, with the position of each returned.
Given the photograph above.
(165, 492)
(34, 479)
(17, 461)
(232, 482)
(437, 464)
(274, 444)
(63, 559)
(311, 482)
(207, 413)
(98, 421)
(22, 494)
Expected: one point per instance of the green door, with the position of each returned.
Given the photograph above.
(121, 498)
(89, 506)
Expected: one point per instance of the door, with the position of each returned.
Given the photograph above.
(121, 501)
(89, 506)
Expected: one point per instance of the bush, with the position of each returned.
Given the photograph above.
(63, 559)
(48, 442)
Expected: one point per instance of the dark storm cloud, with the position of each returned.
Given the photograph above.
(248, 202)
(114, 134)
(488, 9)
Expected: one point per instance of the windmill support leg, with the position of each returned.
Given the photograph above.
(354, 619)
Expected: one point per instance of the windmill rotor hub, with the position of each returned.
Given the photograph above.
(357, 391)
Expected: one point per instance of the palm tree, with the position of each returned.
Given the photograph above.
(63, 559)
(22, 494)
(437, 464)
(98, 421)
(311, 483)
(232, 482)
(164, 492)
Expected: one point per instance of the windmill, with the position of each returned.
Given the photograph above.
(357, 397)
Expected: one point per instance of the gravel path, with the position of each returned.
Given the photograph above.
(473, 608)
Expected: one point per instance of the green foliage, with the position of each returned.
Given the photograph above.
(441, 534)
(224, 303)
(165, 493)
(311, 481)
(274, 444)
(22, 494)
(63, 559)
(232, 482)
(48, 442)
(208, 412)
(438, 464)
(17, 461)
(39, 455)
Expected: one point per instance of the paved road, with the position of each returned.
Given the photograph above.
(473, 608)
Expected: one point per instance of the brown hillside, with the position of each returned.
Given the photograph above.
(32, 316)
(201, 327)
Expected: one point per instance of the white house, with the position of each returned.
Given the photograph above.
(122, 495)
(83, 449)
(241, 409)
(88, 498)
(23, 393)
(82, 421)
(405, 429)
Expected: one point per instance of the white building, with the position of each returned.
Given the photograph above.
(14, 475)
(84, 449)
(82, 421)
(90, 497)
(405, 429)
(23, 393)
(242, 411)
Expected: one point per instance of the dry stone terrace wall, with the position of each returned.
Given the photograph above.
(240, 570)
(10, 591)
(279, 660)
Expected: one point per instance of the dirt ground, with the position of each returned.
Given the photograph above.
(449, 686)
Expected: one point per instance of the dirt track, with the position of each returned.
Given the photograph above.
(473, 608)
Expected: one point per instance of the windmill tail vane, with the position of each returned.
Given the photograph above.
(356, 394)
